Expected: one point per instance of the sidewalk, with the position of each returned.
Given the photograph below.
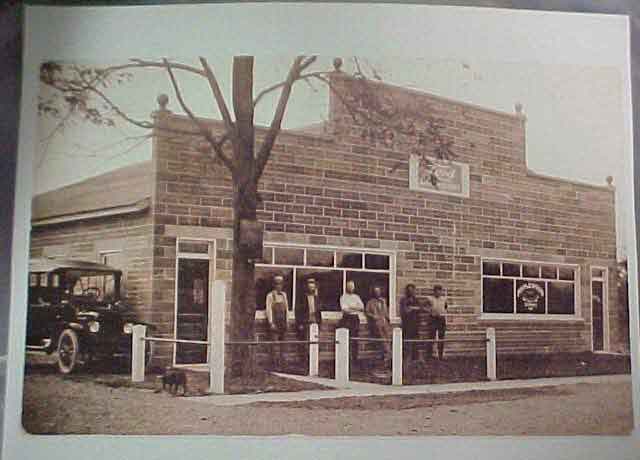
(360, 389)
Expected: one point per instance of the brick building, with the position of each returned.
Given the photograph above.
(532, 256)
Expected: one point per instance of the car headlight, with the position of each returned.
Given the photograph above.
(94, 326)
(127, 328)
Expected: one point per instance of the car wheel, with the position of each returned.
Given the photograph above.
(68, 351)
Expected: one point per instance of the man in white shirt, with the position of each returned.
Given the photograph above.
(351, 305)
(437, 322)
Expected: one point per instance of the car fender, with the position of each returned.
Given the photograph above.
(78, 327)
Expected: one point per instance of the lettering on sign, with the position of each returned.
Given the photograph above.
(438, 176)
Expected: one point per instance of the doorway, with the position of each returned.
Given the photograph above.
(599, 308)
(195, 272)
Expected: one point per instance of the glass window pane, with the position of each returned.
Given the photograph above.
(267, 255)
(264, 284)
(193, 246)
(33, 279)
(328, 283)
(530, 297)
(192, 309)
(55, 280)
(109, 292)
(561, 298)
(567, 273)
(318, 258)
(365, 282)
(597, 314)
(43, 280)
(490, 268)
(510, 269)
(349, 259)
(376, 262)
(289, 256)
(77, 287)
(549, 272)
(531, 271)
(497, 295)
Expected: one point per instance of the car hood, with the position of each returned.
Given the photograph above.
(107, 312)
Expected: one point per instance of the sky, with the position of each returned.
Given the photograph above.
(567, 70)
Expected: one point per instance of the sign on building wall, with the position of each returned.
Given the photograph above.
(438, 176)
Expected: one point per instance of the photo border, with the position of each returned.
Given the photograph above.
(101, 446)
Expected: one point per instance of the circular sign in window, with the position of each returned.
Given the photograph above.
(530, 297)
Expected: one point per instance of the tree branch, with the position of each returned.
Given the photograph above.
(275, 86)
(217, 94)
(139, 63)
(116, 109)
(299, 64)
(204, 130)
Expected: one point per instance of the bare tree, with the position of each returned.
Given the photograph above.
(79, 91)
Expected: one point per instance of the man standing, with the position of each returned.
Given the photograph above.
(307, 312)
(277, 307)
(351, 304)
(378, 316)
(409, 309)
(437, 321)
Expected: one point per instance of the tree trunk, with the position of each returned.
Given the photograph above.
(243, 295)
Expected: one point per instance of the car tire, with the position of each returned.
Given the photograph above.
(68, 351)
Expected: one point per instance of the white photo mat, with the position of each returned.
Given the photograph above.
(117, 33)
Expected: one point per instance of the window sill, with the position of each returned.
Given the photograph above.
(528, 317)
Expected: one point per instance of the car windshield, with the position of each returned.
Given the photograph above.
(99, 288)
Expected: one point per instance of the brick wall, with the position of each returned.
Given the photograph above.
(340, 189)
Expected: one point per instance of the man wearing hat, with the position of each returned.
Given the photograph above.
(277, 306)
(307, 312)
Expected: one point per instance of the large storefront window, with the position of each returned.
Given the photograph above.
(331, 270)
(519, 288)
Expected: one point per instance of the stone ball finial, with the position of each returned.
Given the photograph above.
(337, 64)
(163, 100)
(519, 108)
(609, 181)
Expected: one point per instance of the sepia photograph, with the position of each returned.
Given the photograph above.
(334, 244)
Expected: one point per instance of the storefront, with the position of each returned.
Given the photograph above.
(530, 255)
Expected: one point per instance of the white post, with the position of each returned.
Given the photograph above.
(314, 350)
(216, 339)
(342, 357)
(396, 362)
(137, 352)
(491, 353)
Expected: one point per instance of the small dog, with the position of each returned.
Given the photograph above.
(174, 379)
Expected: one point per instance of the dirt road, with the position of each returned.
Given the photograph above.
(57, 405)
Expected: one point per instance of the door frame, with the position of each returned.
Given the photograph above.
(605, 306)
(211, 257)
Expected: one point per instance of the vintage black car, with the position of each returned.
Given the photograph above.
(75, 309)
